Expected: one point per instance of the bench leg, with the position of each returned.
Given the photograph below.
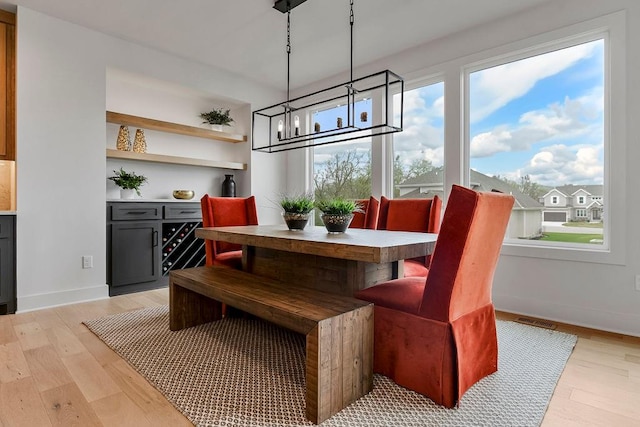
(339, 363)
(188, 308)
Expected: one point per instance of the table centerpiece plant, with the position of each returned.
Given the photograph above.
(337, 213)
(297, 209)
(129, 182)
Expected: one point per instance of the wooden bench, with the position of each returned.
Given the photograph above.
(338, 329)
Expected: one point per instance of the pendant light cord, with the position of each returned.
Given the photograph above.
(288, 48)
(351, 19)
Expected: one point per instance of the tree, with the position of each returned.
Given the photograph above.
(347, 174)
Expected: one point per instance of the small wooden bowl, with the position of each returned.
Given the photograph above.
(184, 194)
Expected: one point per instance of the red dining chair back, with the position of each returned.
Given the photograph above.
(419, 215)
(226, 211)
(437, 336)
(368, 218)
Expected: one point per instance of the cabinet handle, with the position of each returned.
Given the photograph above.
(155, 239)
(136, 213)
(188, 212)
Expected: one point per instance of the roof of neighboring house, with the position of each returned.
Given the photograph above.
(479, 182)
(594, 190)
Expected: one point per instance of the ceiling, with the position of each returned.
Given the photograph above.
(248, 37)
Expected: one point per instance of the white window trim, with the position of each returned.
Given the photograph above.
(612, 29)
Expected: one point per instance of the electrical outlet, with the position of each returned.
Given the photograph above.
(637, 282)
(87, 261)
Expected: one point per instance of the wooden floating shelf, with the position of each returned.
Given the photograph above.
(152, 124)
(158, 158)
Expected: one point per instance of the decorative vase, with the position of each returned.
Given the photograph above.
(124, 139)
(228, 186)
(127, 193)
(336, 223)
(295, 221)
(139, 143)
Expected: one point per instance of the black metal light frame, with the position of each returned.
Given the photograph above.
(382, 85)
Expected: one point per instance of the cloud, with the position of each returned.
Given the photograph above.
(560, 164)
(573, 118)
(493, 88)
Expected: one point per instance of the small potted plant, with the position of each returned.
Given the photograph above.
(337, 213)
(217, 118)
(128, 182)
(297, 209)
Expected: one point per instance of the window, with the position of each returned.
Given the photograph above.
(418, 151)
(581, 213)
(536, 124)
(342, 169)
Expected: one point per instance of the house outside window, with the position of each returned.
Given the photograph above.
(581, 200)
(581, 213)
(554, 200)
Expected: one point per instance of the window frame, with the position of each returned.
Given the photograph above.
(611, 29)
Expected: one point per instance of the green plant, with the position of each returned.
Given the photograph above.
(128, 180)
(299, 203)
(217, 116)
(338, 206)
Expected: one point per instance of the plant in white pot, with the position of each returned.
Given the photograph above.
(217, 118)
(129, 183)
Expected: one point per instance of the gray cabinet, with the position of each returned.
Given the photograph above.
(7, 264)
(146, 240)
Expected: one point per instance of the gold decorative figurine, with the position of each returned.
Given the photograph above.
(139, 143)
(124, 140)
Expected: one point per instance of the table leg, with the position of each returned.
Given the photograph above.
(188, 308)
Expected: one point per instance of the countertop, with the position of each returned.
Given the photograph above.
(8, 212)
(194, 200)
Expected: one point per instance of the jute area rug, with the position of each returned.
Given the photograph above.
(246, 372)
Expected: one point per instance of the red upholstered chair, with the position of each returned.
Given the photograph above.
(368, 218)
(421, 215)
(437, 335)
(226, 211)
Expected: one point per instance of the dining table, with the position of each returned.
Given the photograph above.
(339, 263)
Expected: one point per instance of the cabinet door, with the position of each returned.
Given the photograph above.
(7, 266)
(134, 252)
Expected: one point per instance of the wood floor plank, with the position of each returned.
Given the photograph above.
(119, 411)
(65, 341)
(89, 376)
(21, 404)
(13, 365)
(7, 333)
(66, 406)
(31, 335)
(47, 368)
(100, 351)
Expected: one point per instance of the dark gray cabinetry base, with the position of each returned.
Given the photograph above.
(146, 240)
(7, 264)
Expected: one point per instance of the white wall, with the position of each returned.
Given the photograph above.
(595, 291)
(61, 164)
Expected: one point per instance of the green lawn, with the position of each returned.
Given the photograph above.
(571, 237)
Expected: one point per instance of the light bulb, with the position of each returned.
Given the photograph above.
(296, 125)
(280, 127)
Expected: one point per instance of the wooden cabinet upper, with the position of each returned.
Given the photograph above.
(7, 86)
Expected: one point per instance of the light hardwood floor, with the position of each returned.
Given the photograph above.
(53, 371)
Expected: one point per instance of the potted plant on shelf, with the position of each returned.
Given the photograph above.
(297, 209)
(129, 182)
(217, 118)
(337, 213)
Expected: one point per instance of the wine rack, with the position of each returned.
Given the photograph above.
(180, 247)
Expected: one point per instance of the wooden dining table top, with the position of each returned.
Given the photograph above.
(376, 246)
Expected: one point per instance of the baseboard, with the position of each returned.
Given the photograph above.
(55, 299)
(621, 323)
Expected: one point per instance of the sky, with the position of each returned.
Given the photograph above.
(541, 116)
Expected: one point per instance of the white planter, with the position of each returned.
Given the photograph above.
(127, 194)
(219, 128)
